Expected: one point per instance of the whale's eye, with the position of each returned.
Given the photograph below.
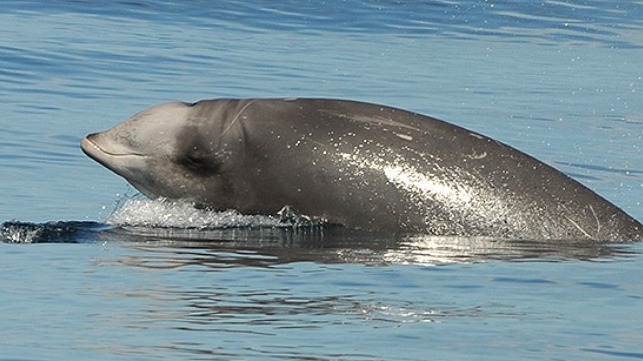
(199, 163)
(192, 161)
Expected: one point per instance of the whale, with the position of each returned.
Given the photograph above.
(365, 166)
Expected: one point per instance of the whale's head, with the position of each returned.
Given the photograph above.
(165, 151)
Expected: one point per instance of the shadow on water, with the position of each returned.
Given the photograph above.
(266, 246)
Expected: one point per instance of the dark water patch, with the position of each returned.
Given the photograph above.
(50, 232)
(600, 285)
(615, 353)
(603, 169)
(523, 280)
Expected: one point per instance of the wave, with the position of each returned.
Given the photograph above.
(614, 23)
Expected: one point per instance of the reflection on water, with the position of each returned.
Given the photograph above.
(256, 293)
(211, 311)
(167, 247)
(342, 246)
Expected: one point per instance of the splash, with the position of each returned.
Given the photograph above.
(49, 232)
(164, 213)
(144, 219)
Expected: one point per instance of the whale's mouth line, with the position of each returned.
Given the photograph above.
(87, 145)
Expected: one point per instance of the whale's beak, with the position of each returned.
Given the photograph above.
(90, 148)
(113, 155)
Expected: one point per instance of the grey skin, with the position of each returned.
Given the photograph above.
(365, 166)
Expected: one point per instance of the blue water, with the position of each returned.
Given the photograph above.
(561, 80)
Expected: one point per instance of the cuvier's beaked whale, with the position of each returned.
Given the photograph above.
(365, 166)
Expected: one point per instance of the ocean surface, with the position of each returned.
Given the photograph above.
(92, 271)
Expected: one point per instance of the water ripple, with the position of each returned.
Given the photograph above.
(596, 22)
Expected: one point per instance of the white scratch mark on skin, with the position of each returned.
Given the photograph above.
(587, 234)
(579, 227)
(375, 120)
(404, 136)
(476, 135)
(236, 118)
(477, 156)
(598, 222)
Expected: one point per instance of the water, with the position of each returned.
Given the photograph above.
(559, 80)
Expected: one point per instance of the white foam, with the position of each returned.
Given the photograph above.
(176, 214)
